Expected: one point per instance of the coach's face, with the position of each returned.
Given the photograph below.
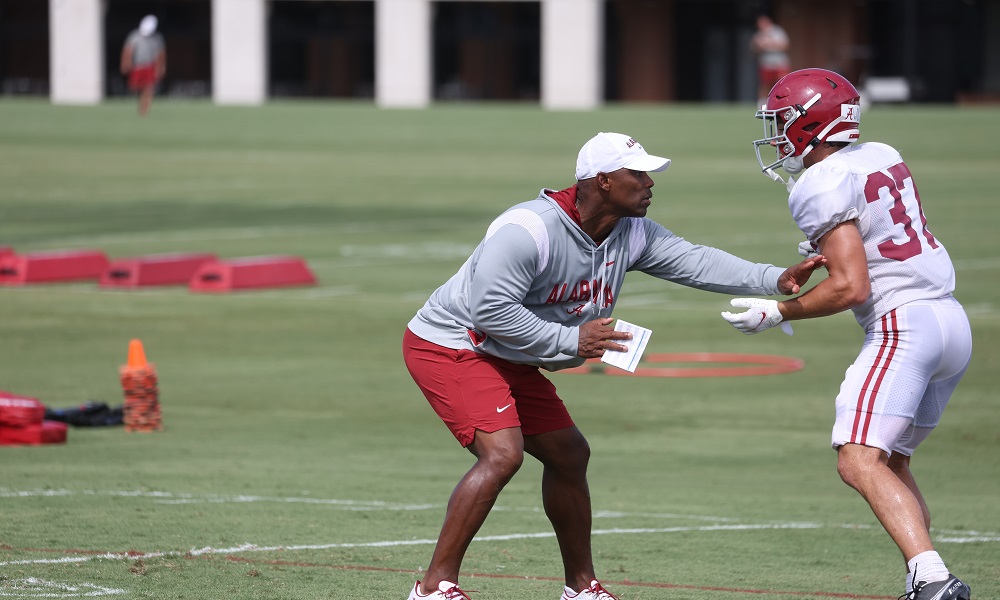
(629, 192)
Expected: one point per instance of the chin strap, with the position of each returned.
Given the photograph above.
(775, 177)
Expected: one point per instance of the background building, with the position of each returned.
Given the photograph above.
(562, 53)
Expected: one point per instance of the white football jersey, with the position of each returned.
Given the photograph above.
(871, 183)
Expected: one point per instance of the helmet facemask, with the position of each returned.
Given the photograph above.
(777, 123)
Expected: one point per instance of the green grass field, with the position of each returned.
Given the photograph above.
(299, 460)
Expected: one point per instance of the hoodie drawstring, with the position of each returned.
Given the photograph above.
(597, 269)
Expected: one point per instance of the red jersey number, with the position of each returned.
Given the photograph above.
(900, 195)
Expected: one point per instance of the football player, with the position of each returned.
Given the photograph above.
(859, 205)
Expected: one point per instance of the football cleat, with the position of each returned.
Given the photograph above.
(595, 592)
(950, 589)
(446, 591)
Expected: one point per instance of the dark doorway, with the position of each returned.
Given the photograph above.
(639, 51)
(487, 50)
(713, 50)
(24, 47)
(938, 47)
(322, 49)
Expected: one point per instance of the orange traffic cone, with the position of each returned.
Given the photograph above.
(141, 411)
(136, 355)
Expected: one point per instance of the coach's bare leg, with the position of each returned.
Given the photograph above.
(499, 455)
(145, 99)
(565, 455)
(899, 507)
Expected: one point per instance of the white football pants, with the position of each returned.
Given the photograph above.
(894, 394)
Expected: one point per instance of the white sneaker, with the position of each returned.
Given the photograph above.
(446, 591)
(595, 592)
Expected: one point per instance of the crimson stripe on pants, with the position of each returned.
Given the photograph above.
(867, 397)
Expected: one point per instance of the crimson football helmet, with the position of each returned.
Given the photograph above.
(804, 109)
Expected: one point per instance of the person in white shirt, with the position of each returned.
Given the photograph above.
(144, 61)
(770, 44)
(858, 205)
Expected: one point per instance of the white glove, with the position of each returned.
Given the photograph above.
(762, 314)
(807, 249)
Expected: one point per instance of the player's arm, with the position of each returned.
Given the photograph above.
(848, 284)
(824, 206)
(846, 287)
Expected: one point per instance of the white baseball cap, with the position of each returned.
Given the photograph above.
(147, 26)
(607, 152)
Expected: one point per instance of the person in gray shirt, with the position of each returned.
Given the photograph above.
(770, 44)
(538, 293)
(144, 61)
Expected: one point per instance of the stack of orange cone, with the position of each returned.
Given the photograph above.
(141, 411)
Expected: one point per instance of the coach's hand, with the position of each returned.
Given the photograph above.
(795, 276)
(761, 314)
(597, 336)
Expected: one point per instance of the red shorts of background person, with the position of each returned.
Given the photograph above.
(142, 77)
(471, 391)
(770, 75)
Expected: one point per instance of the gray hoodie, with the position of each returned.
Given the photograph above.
(536, 277)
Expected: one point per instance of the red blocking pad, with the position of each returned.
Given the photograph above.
(6, 250)
(253, 272)
(18, 411)
(51, 266)
(154, 269)
(46, 432)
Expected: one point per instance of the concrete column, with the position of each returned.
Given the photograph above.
(403, 73)
(239, 51)
(76, 51)
(572, 54)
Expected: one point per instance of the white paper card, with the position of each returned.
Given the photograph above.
(636, 346)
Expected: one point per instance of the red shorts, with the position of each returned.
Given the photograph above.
(142, 77)
(770, 75)
(471, 391)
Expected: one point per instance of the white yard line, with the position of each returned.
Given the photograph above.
(32, 587)
(242, 548)
(719, 524)
(183, 498)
